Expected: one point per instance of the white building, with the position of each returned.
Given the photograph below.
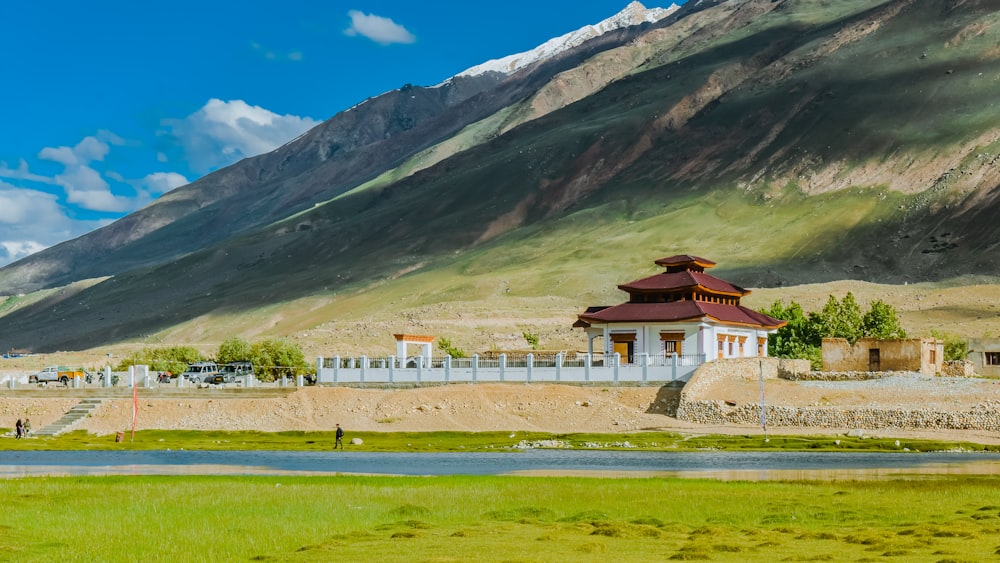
(681, 311)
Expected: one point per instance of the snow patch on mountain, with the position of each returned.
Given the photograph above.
(633, 14)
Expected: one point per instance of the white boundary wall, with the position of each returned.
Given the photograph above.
(386, 371)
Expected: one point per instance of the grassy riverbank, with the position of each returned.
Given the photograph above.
(495, 519)
(472, 441)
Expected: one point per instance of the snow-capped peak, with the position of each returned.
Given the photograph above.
(633, 14)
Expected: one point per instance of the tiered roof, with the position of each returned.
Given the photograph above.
(684, 292)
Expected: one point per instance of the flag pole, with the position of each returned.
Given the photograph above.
(763, 412)
(135, 399)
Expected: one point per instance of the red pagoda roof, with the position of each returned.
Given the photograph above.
(681, 259)
(682, 311)
(680, 280)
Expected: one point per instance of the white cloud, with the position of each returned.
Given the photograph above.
(221, 133)
(32, 220)
(163, 182)
(62, 155)
(83, 184)
(93, 195)
(381, 30)
(22, 173)
(101, 200)
(23, 206)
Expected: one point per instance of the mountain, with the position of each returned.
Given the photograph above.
(633, 14)
(792, 142)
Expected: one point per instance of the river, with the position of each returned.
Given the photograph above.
(596, 463)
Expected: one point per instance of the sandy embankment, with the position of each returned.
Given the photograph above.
(483, 407)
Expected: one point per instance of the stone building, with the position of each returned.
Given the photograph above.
(984, 353)
(681, 311)
(924, 355)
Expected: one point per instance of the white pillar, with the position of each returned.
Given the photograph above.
(427, 353)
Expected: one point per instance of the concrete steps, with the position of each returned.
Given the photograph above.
(79, 412)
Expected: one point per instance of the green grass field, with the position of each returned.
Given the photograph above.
(472, 441)
(495, 519)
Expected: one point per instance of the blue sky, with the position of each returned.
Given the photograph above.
(106, 105)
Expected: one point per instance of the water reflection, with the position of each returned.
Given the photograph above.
(708, 465)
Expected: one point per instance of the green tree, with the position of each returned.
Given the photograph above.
(234, 349)
(881, 321)
(842, 319)
(800, 338)
(174, 359)
(273, 358)
(445, 345)
(955, 347)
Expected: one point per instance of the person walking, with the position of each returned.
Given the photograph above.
(26, 427)
(19, 429)
(339, 442)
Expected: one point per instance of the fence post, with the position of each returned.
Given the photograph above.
(364, 365)
(673, 364)
(392, 369)
(420, 369)
(107, 376)
(475, 366)
(319, 371)
(336, 368)
(586, 367)
(645, 366)
(618, 361)
(503, 366)
(447, 368)
(559, 360)
(529, 364)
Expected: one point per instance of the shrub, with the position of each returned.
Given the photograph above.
(802, 336)
(531, 339)
(234, 349)
(174, 359)
(955, 347)
(273, 358)
(444, 344)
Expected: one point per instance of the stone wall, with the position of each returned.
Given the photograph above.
(840, 375)
(982, 416)
(748, 369)
(958, 368)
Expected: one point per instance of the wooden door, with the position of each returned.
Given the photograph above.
(874, 360)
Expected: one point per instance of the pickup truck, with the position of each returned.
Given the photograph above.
(56, 373)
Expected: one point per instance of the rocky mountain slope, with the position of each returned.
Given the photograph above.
(791, 141)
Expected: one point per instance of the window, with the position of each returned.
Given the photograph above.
(992, 358)
(672, 342)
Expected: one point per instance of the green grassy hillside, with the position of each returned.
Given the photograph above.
(796, 142)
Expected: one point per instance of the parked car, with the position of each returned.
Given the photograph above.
(197, 372)
(219, 379)
(56, 373)
(237, 369)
